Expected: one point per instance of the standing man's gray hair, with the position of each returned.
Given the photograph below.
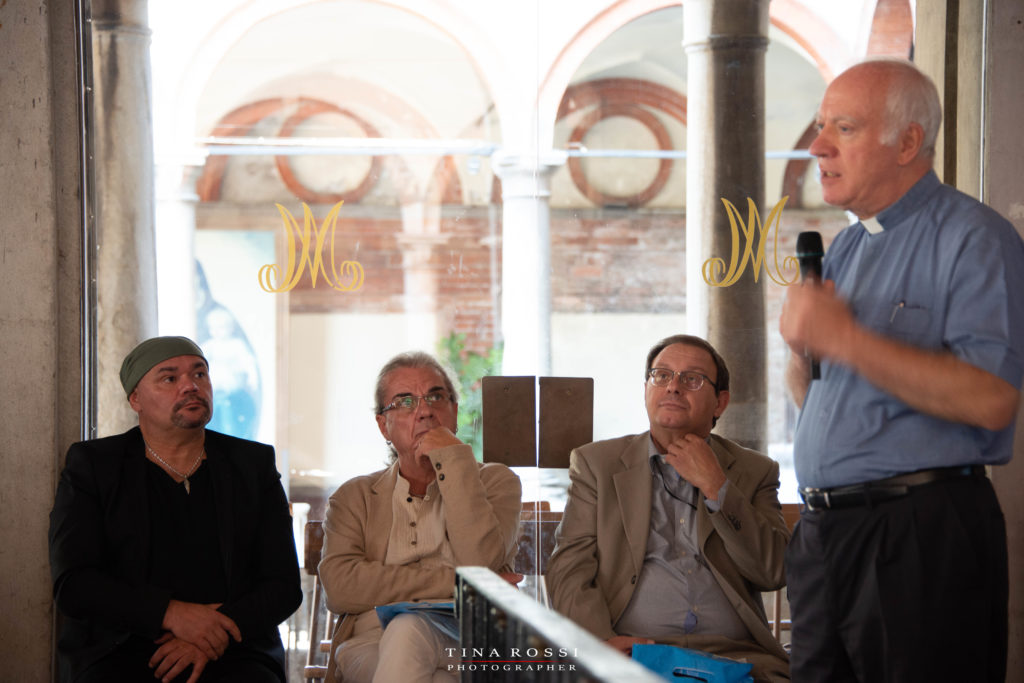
(911, 97)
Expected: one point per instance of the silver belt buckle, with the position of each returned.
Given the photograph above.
(810, 493)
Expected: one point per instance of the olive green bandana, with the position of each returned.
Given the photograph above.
(152, 351)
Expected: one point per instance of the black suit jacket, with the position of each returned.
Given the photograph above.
(100, 547)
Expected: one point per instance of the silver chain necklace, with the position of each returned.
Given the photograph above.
(184, 475)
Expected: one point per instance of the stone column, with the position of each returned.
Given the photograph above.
(41, 308)
(526, 261)
(123, 163)
(725, 42)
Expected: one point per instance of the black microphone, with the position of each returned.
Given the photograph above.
(809, 252)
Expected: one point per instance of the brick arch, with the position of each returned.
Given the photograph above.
(197, 66)
(591, 33)
(892, 29)
(830, 53)
(611, 91)
(445, 183)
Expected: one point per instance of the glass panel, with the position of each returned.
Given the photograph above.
(382, 125)
(347, 179)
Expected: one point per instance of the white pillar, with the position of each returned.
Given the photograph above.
(420, 237)
(526, 260)
(176, 201)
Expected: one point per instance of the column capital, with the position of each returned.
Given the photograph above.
(123, 17)
(526, 174)
(719, 25)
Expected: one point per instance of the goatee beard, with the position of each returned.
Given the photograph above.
(190, 422)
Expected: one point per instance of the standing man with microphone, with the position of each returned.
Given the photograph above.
(919, 328)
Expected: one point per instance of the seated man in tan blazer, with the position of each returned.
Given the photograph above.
(670, 536)
(397, 535)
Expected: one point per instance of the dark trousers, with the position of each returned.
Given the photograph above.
(130, 664)
(911, 589)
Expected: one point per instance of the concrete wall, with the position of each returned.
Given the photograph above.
(40, 293)
(983, 155)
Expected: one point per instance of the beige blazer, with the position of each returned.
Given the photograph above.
(481, 505)
(602, 539)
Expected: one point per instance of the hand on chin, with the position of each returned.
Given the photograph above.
(434, 438)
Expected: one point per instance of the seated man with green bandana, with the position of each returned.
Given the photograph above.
(171, 547)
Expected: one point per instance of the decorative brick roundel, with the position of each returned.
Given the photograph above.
(649, 121)
(307, 110)
(633, 98)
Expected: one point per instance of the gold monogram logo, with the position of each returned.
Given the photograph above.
(714, 267)
(345, 277)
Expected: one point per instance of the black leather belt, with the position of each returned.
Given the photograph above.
(872, 492)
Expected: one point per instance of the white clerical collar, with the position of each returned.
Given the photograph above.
(872, 225)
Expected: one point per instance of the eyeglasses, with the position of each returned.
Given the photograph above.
(409, 403)
(691, 381)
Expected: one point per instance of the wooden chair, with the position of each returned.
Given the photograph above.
(537, 527)
(321, 621)
(791, 513)
(536, 541)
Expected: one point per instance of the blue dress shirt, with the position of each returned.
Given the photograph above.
(945, 272)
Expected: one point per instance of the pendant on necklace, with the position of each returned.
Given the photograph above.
(184, 475)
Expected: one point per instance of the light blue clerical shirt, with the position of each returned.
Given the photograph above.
(944, 272)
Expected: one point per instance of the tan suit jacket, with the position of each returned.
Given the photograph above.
(602, 539)
(481, 505)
